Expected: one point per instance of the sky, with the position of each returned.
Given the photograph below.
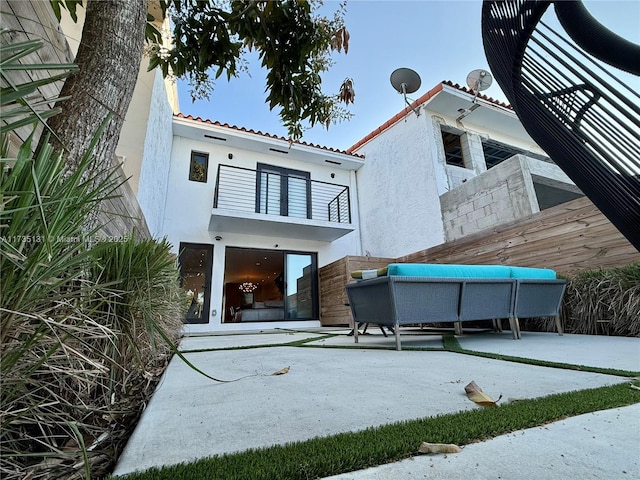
(439, 39)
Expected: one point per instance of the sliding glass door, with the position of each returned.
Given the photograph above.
(301, 283)
(269, 285)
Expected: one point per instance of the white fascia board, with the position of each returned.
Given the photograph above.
(262, 143)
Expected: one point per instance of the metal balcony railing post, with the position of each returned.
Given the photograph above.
(348, 203)
(217, 188)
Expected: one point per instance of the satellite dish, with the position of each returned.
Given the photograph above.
(479, 80)
(405, 80)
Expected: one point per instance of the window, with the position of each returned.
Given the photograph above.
(496, 153)
(198, 167)
(282, 191)
(452, 149)
(270, 285)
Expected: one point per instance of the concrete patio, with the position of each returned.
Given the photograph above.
(331, 390)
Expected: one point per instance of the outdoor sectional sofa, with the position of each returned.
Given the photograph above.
(412, 293)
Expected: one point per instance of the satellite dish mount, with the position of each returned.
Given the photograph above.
(479, 80)
(405, 80)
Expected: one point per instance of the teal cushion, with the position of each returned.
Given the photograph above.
(448, 271)
(528, 272)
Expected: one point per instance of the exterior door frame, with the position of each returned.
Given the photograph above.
(208, 265)
(315, 287)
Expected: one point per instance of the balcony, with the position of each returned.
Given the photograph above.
(275, 202)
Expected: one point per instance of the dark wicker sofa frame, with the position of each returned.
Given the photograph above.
(397, 300)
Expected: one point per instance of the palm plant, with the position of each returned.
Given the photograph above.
(79, 319)
(140, 298)
(48, 356)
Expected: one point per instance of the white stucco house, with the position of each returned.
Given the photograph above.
(461, 165)
(253, 216)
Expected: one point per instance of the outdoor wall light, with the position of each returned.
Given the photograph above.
(218, 238)
(230, 156)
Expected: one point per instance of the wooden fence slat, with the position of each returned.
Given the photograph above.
(568, 238)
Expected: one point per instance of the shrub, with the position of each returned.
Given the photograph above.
(608, 296)
(86, 328)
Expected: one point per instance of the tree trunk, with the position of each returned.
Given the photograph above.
(108, 58)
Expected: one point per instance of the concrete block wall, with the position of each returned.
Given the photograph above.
(456, 176)
(473, 153)
(502, 194)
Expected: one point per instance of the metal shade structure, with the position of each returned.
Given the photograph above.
(562, 89)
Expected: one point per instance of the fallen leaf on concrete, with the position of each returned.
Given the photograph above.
(475, 394)
(282, 371)
(438, 448)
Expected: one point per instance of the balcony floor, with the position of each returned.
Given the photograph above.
(224, 220)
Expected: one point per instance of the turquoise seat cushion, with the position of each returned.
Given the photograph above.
(528, 272)
(448, 270)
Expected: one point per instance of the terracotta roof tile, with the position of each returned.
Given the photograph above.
(262, 134)
(400, 115)
(483, 97)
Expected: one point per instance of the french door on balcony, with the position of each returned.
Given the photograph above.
(283, 191)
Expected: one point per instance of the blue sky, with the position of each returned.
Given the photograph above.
(441, 40)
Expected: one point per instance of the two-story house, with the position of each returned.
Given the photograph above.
(253, 216)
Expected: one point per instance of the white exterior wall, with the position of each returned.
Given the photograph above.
(156, 159)
(398, 192)
(188, 211)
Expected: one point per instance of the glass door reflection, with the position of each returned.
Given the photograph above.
(300, 286)
(195, 268)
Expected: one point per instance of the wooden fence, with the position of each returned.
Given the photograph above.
(568, 238)
(333, 278)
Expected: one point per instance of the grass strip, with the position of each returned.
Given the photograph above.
(294, 343)
(359, 346)
(451, 344)
(345, 452)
